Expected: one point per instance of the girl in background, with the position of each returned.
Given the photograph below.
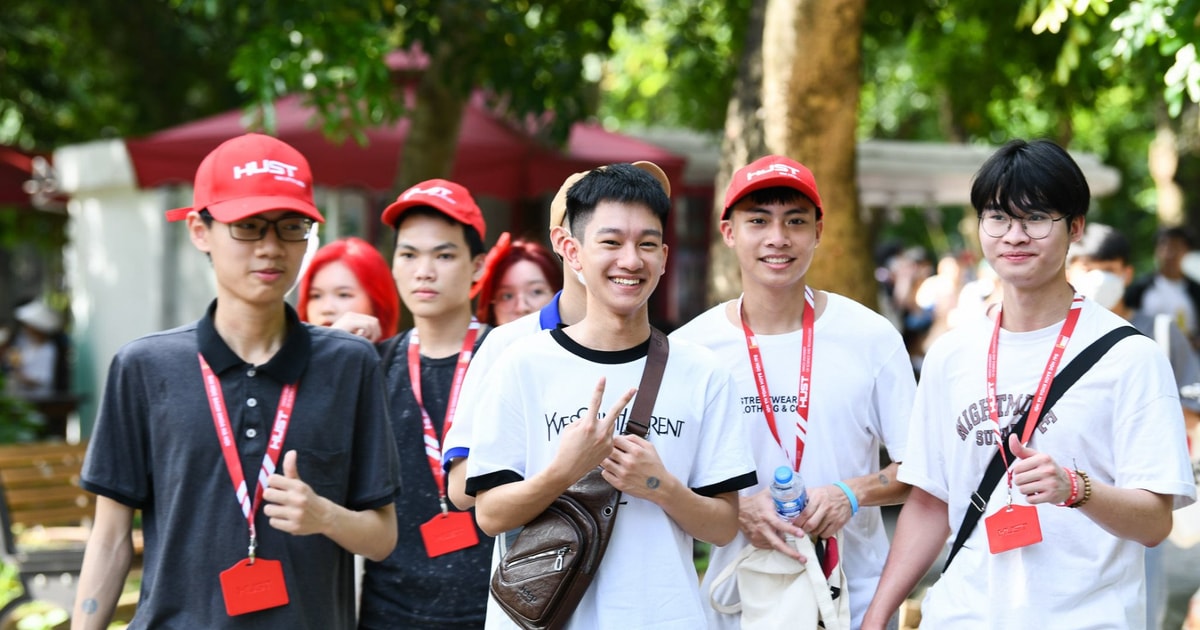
(520, 277)
(348, 285)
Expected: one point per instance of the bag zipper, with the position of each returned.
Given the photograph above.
(560, 554)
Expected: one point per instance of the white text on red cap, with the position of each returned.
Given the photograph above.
(436, 191)
(269, 167)
(782, 169)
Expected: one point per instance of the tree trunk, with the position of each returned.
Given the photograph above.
(811, 77)
(435, 122)
(1163, 159)
(743, 142)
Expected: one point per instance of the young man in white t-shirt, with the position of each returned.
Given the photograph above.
(1098, 472)
(566, 308)
(547, 431)
(859, 391)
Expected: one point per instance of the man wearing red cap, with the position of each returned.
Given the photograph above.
(255, 446)
(836, 375)
(438, 574)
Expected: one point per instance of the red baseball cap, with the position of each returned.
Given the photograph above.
(248, 175)
(443, 195)
(768, 172)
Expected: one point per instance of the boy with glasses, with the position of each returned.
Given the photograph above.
(1081, 487)
(256, 447)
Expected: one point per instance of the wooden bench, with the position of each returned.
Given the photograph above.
(46, 519)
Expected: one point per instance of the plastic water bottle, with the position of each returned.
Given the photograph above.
(789, 493)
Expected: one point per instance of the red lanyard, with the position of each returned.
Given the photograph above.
(760, 376)
(1043, 388)
(433, 445)
(220, 415)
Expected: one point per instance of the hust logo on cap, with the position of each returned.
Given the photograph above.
(440, 192)
(269, 167)
(775, 169)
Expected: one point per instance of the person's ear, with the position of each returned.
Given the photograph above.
(558, 234)
(477, 263)
(199, 233)
(1077, 226)
(727, 232)
(571, 253)
(663, 270)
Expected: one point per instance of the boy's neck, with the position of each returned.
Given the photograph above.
(606, 331)
(254, 333)
(1024, 311)
(572, 306)
(443, 335)
(771, 312)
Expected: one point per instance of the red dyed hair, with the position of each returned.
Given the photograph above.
(372, 271)
(498, 265)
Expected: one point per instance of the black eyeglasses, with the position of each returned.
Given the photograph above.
(1037, 225)
(290, 229)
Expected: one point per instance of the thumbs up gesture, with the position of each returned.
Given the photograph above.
(292, 505)
(1037, 476)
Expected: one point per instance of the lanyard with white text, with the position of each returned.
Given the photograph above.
(760, 375)
(283, 413)
(1043, 388)
(433, 444)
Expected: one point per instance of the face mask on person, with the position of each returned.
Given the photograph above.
(1105, 288)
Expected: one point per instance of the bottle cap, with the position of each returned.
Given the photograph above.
(783, 474)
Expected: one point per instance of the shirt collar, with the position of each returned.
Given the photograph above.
(288, 364)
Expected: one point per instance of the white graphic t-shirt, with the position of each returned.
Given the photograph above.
(1121, 423)
(860, 398)
(647, 578)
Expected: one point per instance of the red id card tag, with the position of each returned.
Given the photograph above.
(1012, 527)
(251, 587)
(449, 532)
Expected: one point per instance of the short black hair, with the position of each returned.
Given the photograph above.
(622, 183)
(1101, 243)
(1177, 232)
(470, 234)
(777, 194)
(1029, 176)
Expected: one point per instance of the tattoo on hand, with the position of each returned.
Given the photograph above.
(89, 605)
(883, 480)
(652, 483)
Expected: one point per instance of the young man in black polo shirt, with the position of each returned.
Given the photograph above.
(438, 574)
(257, 447)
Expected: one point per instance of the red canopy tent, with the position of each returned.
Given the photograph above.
(16, 168)
(493, 159)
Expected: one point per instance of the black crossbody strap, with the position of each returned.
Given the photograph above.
(652, 375)
(996, 468)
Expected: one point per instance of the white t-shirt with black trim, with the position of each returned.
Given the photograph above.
(647, 578)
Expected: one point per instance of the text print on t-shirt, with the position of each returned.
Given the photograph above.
(1009, 406)
(556, 422)
(780, 404)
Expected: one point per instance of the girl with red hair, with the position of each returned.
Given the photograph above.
(520, 277)
(348, 285)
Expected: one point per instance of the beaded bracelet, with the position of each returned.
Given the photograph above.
(1087, 489)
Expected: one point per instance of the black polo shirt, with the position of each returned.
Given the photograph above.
(409, 589)
(154, 447)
